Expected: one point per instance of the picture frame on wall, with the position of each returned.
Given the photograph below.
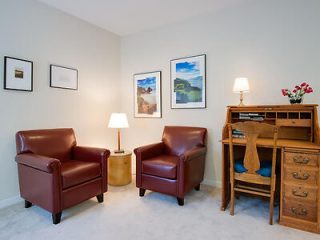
(147, 95)
(63, 77)
(188, 82)
(18, 74)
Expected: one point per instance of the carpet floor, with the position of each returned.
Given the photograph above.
(124, 215)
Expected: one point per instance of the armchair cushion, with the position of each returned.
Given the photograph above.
(265, 168)
(161, 166)
(76, 172)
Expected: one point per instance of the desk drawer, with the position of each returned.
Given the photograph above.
(300, 210)
(293, 174)
(294, 122)
(301, 192)
(301, 159)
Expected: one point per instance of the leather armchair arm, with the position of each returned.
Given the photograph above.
(149, 151)
(90, 154)
(38, 162)
(193, 153)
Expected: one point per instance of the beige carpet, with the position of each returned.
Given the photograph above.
(124, 215)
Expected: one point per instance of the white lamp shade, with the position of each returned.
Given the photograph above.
(118, 120)
(241, 85)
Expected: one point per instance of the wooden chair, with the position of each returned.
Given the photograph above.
(250, 169)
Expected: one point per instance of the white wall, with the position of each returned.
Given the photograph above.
(276, 44)
(33, 31)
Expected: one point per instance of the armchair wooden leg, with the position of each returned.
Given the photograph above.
(180, 201)
(27, 204)
(56, 217)
(141, 192)
(100, 198)
(197, 188)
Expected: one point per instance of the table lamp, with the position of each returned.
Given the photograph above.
(118, 120)
(241, 85)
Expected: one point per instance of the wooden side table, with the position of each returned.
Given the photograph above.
(119, 169)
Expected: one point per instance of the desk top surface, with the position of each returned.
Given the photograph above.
(268, 142)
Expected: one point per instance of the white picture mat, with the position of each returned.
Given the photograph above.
(137, 77)
(202, 69)
(12, 82)
(62, 77)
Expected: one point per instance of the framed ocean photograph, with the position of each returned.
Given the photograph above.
(188, 82)
(147, 95)
(18, 74)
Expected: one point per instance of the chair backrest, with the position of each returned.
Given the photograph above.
(55, 143)
(252, 130)
(178, 139)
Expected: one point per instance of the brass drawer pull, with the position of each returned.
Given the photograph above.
(301, 160)
(303, 212)
(296, 175)
(302, 194)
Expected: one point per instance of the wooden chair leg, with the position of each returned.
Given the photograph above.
(100, 198)
(232, 202)
(56, 217)
(271, 204)
(27, 204)
(197, 188)
(180, 201)
(141, 192)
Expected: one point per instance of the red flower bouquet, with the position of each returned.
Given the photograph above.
(296, 95)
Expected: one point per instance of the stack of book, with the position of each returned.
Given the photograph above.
(251, 116)
(237, 133)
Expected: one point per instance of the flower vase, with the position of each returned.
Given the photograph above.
(296, 100)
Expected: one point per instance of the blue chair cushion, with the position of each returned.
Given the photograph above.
(265, 168)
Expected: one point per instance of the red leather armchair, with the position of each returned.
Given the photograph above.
(55, 174)
(175, 165)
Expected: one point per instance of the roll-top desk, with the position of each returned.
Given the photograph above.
(298, 159)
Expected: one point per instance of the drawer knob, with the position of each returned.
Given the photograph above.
(301, 194)
(301, 160)
(296, 175)
(303, 212)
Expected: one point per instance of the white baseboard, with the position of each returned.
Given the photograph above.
(10, 201)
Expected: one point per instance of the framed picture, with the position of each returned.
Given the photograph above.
(63, 77)
(18, 74)
(188, 82)
(147, 95)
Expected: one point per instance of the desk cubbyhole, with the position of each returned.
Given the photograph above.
(235, 115)
(305, 115)
(293, 115)
(271, 115)
(282, 115)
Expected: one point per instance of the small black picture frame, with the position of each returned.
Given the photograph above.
(18, 74)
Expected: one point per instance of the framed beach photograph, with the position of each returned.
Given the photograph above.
(63, 77)
(188, 82)
(147, 95)
(18, 74)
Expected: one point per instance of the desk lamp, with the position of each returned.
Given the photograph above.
(118, 120)
(241, 85)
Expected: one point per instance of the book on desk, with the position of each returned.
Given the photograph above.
(298, 155)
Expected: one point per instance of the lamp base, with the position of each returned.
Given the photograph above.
(119, 151)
